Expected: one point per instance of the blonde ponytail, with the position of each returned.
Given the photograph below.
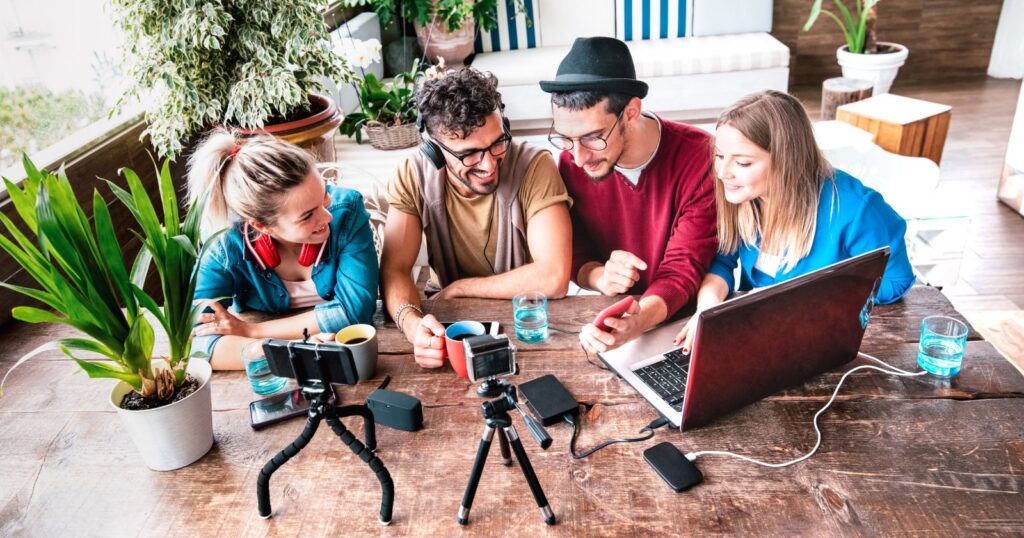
(205, 175)
(244, 181)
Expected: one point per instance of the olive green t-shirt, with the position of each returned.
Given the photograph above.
(473, 222)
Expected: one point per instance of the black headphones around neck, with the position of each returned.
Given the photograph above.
(433, 152)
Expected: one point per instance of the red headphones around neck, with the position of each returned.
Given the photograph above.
(265, 252)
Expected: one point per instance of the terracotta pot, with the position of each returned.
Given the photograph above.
(314, 133)
(175, 435)
(454, 47)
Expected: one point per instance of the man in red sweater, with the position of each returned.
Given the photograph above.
(644, 212)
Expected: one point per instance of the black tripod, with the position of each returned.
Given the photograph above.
(319, 395)
(496, 416)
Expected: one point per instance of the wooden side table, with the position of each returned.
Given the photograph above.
(902, 125)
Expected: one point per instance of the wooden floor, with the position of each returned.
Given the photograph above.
(990, 291)
(992, 273)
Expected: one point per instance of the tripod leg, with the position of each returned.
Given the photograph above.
(300, 442)
(369, 425)
(474, 475)
(506, 456)
(531, 477)
(387, 487)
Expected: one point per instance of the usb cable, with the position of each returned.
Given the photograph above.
(648, 430)
(692, 456)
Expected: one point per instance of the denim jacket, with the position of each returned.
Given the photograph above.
(346, 277)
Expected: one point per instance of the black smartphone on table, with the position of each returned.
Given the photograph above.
(278, 408)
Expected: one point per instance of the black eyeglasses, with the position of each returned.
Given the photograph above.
(593, 142)
(475, 156)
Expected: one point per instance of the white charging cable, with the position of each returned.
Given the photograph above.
(892, 370)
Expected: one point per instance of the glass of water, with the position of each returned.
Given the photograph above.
(531, 315)
(258, 371)
(941, 351)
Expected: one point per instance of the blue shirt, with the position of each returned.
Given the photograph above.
(346, 277)
(852, 219)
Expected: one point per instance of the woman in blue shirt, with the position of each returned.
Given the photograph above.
(783, 211)
(291, 242)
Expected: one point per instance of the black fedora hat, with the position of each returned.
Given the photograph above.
(597, 63)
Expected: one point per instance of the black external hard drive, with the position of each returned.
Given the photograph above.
(549, 399)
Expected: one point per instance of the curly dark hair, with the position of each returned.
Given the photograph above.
(459, 103)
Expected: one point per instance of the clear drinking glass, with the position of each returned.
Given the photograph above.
(531, 315)
(258, 371)
(941, 351)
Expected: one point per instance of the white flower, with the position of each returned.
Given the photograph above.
(359, 53)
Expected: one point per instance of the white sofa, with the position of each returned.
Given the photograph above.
(718, 58)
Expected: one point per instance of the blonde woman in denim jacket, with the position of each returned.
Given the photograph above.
(292, 242)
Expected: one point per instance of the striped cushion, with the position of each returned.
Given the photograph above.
(513, 31)
(711, 54)
(637, 20)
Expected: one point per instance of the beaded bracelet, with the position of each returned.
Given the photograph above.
(401, 311)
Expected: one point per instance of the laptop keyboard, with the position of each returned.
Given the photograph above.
(668, 377)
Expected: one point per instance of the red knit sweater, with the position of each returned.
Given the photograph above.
(667, 220)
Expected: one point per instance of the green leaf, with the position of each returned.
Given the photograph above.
(31, 314)
(170, 200)
(138, 349)
(813, 17)
(91, 346)
(100, 370)
(110, 251)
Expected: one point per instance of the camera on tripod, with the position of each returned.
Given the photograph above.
(489, 357)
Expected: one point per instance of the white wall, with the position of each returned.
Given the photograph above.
(1007, 59)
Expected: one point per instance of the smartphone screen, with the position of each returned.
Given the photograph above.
(276, 408)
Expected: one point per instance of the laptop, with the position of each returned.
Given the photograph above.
(755, 344)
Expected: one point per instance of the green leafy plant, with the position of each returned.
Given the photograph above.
(205, 62)
(857, 26)
(391, 104)
(83, 278)
(451, 13)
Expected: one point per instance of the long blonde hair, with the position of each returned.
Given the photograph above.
(777, 123)
(246, 183)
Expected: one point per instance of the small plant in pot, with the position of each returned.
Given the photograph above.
(387, 111)
(862, 57)
(444, 28)
(84, 280)
(255, 65)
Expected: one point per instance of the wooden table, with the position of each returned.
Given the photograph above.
(902, 125)
(899, 456)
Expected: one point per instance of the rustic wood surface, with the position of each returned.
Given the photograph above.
(839, 91)
(899, 455)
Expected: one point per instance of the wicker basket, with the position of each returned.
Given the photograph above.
(392, 137)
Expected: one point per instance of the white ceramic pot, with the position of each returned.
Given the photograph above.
(175, 435)
(880, 69)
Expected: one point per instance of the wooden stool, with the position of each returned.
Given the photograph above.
(840, 91)
(902, 125)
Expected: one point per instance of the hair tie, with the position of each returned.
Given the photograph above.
(234, 151)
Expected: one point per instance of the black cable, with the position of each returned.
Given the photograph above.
(654, 425)
(587, 355)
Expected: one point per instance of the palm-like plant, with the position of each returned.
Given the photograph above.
(83, 278)
(391, 103)
(857, 26)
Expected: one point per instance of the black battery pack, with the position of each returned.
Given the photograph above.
(548, 399)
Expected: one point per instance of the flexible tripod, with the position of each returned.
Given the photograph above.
(496, 416)
(318, 393)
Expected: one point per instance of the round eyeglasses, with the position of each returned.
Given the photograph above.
(594, 142)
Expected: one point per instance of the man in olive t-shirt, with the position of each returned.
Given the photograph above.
(495, 212)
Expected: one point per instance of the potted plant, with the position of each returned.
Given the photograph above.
(83, 279)
(862, 57)
(386, 110)
(444, 28)
(253, 65)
